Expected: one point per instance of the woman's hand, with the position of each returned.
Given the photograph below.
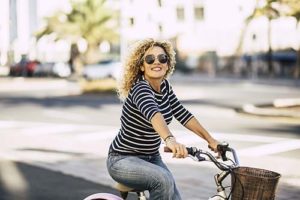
(178, 150)
(212, 144)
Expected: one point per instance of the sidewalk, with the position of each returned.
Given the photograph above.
(283, 108)
(288, 108)
(279, 108)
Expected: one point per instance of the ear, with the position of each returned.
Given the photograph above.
(142, 68)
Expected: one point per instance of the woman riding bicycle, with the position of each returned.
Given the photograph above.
(149, 106)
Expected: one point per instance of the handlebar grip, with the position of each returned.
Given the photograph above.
(190, 150)
(167, 149)
(222, 148)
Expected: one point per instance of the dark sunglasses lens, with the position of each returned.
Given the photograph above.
(149, 59)
(162, 58)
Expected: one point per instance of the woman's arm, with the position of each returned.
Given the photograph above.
(160, 126)
(194, 125)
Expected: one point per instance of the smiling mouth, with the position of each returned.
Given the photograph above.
(156, 69)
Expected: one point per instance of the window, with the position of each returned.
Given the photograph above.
(180, 13)
(131, 21)
(159, 3)
(199, 13)
(160, 28)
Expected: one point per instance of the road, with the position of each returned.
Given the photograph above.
(54, 127)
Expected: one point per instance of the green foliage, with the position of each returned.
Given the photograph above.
(269, 9)
(293, 8)
(88, 19)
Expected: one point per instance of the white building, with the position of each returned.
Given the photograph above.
(203, 25)
(195, 26)
(19, 20)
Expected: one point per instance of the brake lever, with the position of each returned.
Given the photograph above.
(199, 157)
(223, 148)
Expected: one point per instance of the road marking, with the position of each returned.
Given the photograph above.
(266, 145)
(99, 135)
(64, 115)
(191, 138)
(268, 149)
(39, 128)
(271, 145)
(52, 129)
(7, 124)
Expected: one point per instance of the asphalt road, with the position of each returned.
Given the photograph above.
(45, 184)
(51, 125)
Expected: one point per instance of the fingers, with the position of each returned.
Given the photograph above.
(213, 145)
(179, 151)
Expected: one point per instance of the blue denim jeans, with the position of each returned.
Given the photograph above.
(144, 173)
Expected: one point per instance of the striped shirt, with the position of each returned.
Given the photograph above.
(136, 135)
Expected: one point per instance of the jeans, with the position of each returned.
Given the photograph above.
(144, 173)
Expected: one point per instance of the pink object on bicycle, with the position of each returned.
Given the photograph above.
(104, 196)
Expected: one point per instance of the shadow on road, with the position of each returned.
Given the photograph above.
(48, 185)
(88, 100)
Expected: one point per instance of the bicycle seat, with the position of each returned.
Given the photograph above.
(123, 188)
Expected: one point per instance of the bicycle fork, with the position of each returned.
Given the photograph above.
(141, 196)
(221, 195)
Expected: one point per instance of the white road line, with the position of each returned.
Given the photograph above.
(64, 115)
(99, 135)
(5, 124)
(189, 137)
(266, 145)
(268, 149)
(52, 129)
(255, 137)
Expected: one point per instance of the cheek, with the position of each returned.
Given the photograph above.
(166, 67)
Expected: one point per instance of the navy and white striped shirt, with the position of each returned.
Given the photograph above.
(136, 135)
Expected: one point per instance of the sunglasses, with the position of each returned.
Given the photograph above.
(162, 58)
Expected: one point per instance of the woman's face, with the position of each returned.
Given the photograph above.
(155, 64)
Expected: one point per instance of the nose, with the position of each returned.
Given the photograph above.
(156, 61)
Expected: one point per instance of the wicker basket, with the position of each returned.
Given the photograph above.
(253, 184)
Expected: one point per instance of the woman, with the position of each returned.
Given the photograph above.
(149, 106)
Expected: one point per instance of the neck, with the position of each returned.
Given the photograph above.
(155, 83)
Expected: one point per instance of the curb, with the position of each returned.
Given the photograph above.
(279, 108)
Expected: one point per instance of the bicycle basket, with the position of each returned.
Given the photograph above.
(253, 184)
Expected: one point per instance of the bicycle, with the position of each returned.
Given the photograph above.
(229, 165)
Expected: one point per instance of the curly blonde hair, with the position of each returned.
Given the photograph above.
(134, 61)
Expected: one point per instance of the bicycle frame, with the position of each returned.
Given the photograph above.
(199, 156)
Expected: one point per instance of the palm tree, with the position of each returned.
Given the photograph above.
(294, 11)
(238, 50)
(88, 19)
(270, 10)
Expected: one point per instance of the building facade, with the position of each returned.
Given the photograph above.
(194, 26)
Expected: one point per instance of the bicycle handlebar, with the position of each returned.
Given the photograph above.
(222, 149)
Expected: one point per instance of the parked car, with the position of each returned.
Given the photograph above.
(103, 69)
(25, 67)
(59, 69)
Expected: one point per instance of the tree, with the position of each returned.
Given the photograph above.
(294, 11)
(263, 8)
(88, 19)
(247, 21)
(270, 10)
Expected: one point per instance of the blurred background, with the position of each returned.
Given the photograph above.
(253, 38)
(237, 71)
